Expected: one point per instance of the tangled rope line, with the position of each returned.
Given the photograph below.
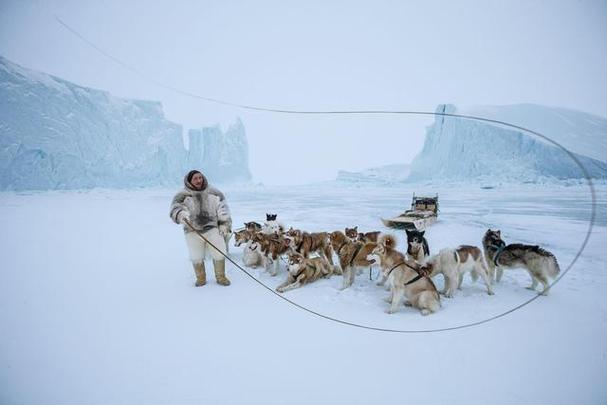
(362, 112)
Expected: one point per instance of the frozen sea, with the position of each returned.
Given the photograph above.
(97, 304)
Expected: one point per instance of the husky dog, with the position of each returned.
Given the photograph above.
(252, 226)
(272, 226)
(417, 245)
(305, 243)
(352, 256)
(405, 280)
(351, 233)
(354, 235)
(251, 255)
(302, 271)
(369, 236)
(243, 236)
(539, 263)
(272, 247)
(454, 263)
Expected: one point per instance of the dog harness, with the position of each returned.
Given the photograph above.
(499, 251)
(414, 279)
(355, 253)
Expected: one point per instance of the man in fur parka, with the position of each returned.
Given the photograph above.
(205, 208)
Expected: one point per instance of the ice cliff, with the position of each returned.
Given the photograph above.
(464, 149)
(55, 134)
(221, 155)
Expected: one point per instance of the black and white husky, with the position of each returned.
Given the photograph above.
(417, 245)
(272, 226)
(540, 263)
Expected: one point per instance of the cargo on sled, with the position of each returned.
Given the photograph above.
(423, 213)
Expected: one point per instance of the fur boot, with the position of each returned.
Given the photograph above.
(201, 275)
(220, 272)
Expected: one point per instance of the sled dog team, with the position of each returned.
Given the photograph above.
(408, 275)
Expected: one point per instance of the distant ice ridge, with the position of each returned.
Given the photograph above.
(579, 132)
(388, 174)
(57, 135)
(222, 156)
(464, 149)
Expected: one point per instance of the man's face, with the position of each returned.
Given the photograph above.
(197, 180)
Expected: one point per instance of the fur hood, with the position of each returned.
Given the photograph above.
(205, 186)
(188, 185)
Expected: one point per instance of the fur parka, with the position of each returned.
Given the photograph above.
(206, 208)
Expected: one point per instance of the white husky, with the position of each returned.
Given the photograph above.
(454, 263)
(252, 256)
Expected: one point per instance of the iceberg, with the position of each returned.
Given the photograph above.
(221, 155)
(55, 134)
(457, 149)
(387, 174)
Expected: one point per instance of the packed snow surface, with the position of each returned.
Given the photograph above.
(97, 305)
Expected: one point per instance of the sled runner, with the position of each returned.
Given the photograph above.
(423, 213)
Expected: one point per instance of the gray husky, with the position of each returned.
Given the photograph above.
(540, 263)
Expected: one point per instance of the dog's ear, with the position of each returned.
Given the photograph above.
(356, 228)
(408, 232)
(499, 233)
(422, 233)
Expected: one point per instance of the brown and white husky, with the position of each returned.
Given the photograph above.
(303, 271)
(405, 279)
(272, 247)
(454, 263)
(354, 235)
(306, 243)
(352, 256)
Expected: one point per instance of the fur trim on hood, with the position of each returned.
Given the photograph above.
(189, 186)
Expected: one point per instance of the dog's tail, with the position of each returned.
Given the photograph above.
(388, 240)
(549, 262)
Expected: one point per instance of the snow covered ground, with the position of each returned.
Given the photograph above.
(97, 305)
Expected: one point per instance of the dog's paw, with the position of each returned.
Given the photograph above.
(388, 311)
(490, 292)
(425, 312)
(407, 304)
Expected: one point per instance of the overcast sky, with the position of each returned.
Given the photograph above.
(321, 55)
